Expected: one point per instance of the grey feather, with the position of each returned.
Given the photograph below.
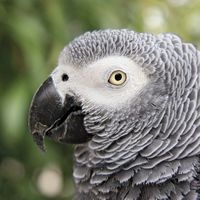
(150, 148)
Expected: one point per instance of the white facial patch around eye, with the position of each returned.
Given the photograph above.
(91, 83)
(100, 91)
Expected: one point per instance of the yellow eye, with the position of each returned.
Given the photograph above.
(117, 78)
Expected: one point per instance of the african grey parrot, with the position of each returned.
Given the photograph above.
(130, 102)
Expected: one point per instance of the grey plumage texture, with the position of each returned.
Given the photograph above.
(149, 148)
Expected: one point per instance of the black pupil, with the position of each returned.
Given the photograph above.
(65, 77)
(118, 77)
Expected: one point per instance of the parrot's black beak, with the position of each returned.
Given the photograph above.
(61, 121)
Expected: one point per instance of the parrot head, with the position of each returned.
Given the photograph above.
(130, 103)
(101, 80)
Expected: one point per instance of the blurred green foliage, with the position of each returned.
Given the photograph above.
(32, 34)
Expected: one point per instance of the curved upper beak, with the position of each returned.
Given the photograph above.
(49, 115)
(46, 107)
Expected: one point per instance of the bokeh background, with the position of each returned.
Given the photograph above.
(32, 33)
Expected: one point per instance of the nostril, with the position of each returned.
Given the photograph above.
(65, 77)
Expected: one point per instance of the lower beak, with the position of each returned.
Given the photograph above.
(49, 115)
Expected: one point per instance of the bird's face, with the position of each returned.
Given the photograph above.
(74, 102)
(107, 83)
